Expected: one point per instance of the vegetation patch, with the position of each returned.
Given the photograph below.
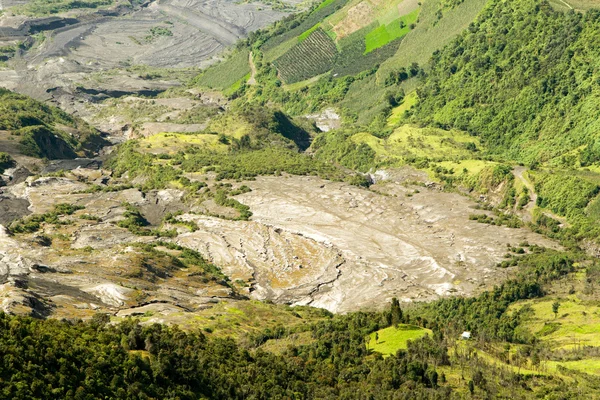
(6, 162)
(389, 340)
(312, 57)
(225, 74)
(33, 223)
(384, 34)
(50, 7)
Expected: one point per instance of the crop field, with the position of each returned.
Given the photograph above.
(274, 53)
(228, 73)
(309, 32)
(316, 17)
(389, 340)
(358, 14)
(353, 58)
(431, 33)
(314, 56)
(384, 34)
(366, 33)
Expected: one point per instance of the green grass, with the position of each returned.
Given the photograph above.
(237, 85)
(227, 73)
(397, 114)
(577, 323)
(171, 143)
(324, 4)
(278, 51)
(384, 34)
(408, 142)
(588, 365)
(393, 339)
(238, 318)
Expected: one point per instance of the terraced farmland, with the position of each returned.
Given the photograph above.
(314, 56)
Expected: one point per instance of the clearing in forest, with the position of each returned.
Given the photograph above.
(389, 340)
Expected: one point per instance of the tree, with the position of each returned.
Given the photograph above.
(555, 307)
(396, 312)
(471, 387)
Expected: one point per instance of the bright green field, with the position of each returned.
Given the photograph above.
(589, 366)
(384, 34)
(577, 323)
(431, 34)
(393, 339)
(397, 115)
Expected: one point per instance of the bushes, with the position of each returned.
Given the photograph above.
(128, 160)
(33, 223)
(135, 223)
(35, 123)
(6, 162)
(336, 148)
(222, 200)
(249, 164)
(43, 142)
(564, 194)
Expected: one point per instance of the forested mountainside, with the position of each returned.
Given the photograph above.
(365, 199)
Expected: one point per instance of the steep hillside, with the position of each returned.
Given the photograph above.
(31, 128)
(522, 79)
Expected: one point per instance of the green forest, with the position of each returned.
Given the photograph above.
(73, 359)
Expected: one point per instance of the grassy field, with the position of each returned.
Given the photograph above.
(237, 318)
(392, 339)
(397, 115)
(226, 74)
(410, 141)
(576, 324)
(384, 34)
(431, 34)
(50, 7)
(579, 5)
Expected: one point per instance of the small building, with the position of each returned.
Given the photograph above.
(465, 335)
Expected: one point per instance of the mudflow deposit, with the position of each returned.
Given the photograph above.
(83, 53)
(310, 242)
